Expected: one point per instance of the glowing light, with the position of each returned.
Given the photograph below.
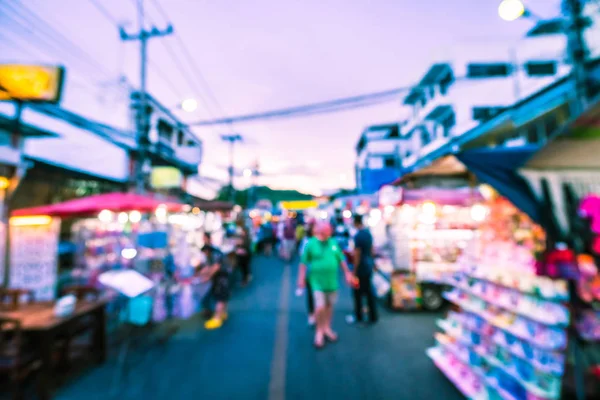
(347, 214)
(323, 215)
(195, 211)
(389, 210)
(428, 219)
(511, 10)
(374, 217)
(429, 208)
(237, 209)
(4, 182)
(105, 216)
(189, 105)
(34, 220)
(128, 253)
(123, 218)
(479, 212)
(247, 172)
(135, 216)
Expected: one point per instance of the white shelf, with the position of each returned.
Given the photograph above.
(534, 316)
(491, 319)
(441, 362)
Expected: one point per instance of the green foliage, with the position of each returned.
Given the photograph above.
(262, 193)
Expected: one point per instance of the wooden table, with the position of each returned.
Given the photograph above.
(39, 322)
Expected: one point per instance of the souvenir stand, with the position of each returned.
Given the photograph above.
(514, 333)
(565, 174)
(430, 230)
(120, 230)
(509, 339)
(433, 212)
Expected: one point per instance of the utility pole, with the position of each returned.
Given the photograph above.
(143, 114)
(253, 184)
(575, 24)
(231, 139)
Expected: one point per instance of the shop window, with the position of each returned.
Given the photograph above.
(485, 113)
(495, 70)
(165, 131)
(448, 123)
(541, 68)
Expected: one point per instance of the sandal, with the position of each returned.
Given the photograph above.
(331, 338)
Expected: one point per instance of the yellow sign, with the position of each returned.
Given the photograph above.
(299, 205)
(166, 178)
(31, 82)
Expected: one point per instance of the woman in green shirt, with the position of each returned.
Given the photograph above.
(323, 257)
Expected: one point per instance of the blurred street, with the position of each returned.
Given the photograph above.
(253, 356)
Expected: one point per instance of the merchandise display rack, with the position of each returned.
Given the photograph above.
(509, 340)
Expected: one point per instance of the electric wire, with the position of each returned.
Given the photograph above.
(26, 14)
(194, 66)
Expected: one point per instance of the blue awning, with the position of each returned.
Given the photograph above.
(498, 168)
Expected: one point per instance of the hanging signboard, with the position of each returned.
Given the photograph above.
(35, 83)
(299, 204)
(166, 178)
(34, 255)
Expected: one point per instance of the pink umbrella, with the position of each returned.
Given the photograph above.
(92, 205)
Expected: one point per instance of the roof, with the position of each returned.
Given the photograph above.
(26, 130)
(435, 73)
(75, 172)
(92, 205)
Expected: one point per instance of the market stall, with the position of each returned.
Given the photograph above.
(429, 230)
(527, 292)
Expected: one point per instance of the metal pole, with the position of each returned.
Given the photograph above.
(142, 116)
(575, 24)
(231, 169)
(9, 191)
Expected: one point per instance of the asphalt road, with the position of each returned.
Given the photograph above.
(265, 352)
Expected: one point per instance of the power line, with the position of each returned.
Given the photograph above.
(339, 104)
(104, 12)
(192, 62)
(39, 23)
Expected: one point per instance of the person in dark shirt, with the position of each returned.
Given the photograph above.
(364, 265)
(243, 251)
(215, 270)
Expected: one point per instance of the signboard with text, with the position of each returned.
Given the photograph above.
(166, 178)
(34, 258)
(35, 83)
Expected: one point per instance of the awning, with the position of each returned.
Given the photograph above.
(92, 205)
(498, 168)
(446, 166)
(569, 164)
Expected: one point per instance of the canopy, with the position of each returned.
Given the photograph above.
(447, 166)
(498, 168)
(568, 164)
(452, 197)
(92, 205)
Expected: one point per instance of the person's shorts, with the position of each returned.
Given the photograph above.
(289, 245)
(220, 289)
(323, 299)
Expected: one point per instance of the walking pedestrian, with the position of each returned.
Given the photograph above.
(364, 265)
(310, 303)
(323, 257)
(288, 240)
(215, 270)
(243, 251)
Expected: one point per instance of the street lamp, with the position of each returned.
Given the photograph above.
(511, 10)
(189, 105)
(247, 173)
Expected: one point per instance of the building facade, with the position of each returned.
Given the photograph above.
(378, 157)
